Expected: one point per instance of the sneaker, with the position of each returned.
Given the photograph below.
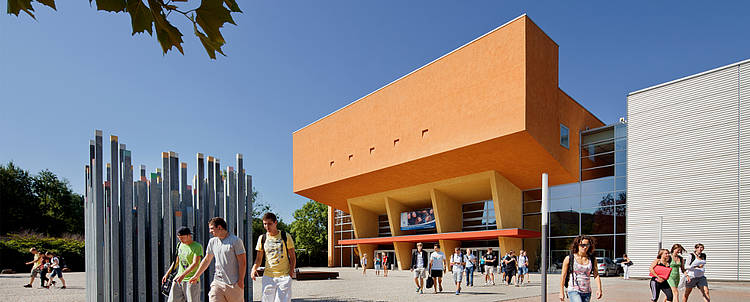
(456, 293)
(27, 286)
(63, 287)
(417, 289)
(421, 291)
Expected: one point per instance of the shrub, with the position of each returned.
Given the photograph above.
(14, 250)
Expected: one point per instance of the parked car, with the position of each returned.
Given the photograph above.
(607, 267)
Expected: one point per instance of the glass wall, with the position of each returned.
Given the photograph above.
(479, 216)
(344, 255)
(595, 206)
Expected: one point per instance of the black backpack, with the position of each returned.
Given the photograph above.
(571, 262)
(263, 244)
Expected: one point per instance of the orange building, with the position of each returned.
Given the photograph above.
(458, 139)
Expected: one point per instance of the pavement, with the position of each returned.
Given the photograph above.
(351, 286)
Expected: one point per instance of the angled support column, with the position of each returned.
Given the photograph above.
(331, 237)
(402, 249)
(365, 225)
(508, 210)
(448, 218)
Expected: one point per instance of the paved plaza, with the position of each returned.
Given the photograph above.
(398, 286)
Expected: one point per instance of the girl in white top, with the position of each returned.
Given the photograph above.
(583, 265)
(364, 264)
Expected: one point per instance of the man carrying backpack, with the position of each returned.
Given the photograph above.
(278, 249)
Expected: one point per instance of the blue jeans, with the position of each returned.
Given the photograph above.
(470, 276)
(575, 296)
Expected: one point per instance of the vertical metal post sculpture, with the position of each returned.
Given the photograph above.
(131, 226)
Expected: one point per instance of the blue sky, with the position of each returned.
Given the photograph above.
(292, 62)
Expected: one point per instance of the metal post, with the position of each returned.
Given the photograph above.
(154, 221)
(230, 206)
(219, 179)
(661, 224)
(185, 195)
(99, 219)
(241, 201)
(114, 225)
(105, 230)
(126, 208)
(174, 193)
(166, 214)
(249, 242)
(141, 212)
(545, 228)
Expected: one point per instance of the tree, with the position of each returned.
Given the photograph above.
(310, 228)
(150, 15)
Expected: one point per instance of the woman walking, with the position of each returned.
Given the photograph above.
(385, 264)
(626, 263)
(658, 281)
(378, 264)
(577, 269)
(678, 265)
(363, 262)
(695, 275)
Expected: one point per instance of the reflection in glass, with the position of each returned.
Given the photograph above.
(559, 249)
(597, 135)
(597, 185)
(621, 183)
(621, 157)
(598, 160)
(597, 148)
(532, 222)
(597, 200)
(621, 144)
(598, 220)
(595, 173)
(605, 246)
(530, 195)
(567, 203)
(619, 246)
(563, 223)
(621, 130)
(621, 197)
(565, 190)
(620, 219)
(620, 170)
(532, 207)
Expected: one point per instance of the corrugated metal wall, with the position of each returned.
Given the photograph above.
(689, 163)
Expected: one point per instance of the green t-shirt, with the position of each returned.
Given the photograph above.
(186, 253)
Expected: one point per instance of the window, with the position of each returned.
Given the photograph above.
(564, 136)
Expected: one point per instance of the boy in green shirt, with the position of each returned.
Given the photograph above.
(189, 255)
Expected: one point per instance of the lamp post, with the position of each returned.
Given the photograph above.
(545, 225)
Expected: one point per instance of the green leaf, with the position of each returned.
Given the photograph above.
(210, 46)
(110, 5)
(140, 17)
(232, 4)
(211, 16)
(168, 35)
(50, 3)
(16, 6)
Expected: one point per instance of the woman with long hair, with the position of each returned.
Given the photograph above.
(626, 263)
(577, 269)
(659, 284)
(678, 265)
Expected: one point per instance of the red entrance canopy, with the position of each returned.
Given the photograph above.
(460, 236)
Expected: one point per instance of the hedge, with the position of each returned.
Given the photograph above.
(14, 251)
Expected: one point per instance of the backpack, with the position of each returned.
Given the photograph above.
(263, 243)
(571, 262)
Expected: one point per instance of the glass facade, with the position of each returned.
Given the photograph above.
(344, 255)
(594, 206)
(479, 216)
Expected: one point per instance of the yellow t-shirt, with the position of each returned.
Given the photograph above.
(277, 258)
(37, 262)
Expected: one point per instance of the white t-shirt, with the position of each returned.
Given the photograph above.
(420, 260)
(457, 260)
(522, 261)
(468, 259)
(437, 260)
(55, 262)
(694, 271)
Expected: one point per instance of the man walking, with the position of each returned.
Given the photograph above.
(419, 260)
(278, 249)
(490, 261)
(230, 266)
(436, 266)
(471, 264)
(523, 267)
(457, 268)
(35, 269)
(189, 255)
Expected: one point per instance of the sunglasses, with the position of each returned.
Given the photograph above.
(584, 245)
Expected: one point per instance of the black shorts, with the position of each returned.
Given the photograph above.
(436, 273)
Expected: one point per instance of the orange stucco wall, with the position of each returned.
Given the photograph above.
(493, 104)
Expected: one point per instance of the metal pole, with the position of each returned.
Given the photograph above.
(167, 216)
(154, 205)
(127, 216)
(114, 217)
(99, 219)
(545, 227)
(249, 242)
(661, 224)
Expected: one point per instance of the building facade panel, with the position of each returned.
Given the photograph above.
(684, 170)
(744, 199)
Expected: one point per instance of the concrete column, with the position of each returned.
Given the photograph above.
(448, 218)
(153, 238)
(99, 218)
(402, 249)
(140, 235)
(126, 208)
(114, 225)
(508, 210)
(365, 225)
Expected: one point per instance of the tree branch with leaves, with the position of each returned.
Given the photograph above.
(152, 15)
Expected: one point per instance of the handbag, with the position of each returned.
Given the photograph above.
(661, 272)
(430, 283)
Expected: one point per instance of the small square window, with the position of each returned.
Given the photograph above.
(564, 136)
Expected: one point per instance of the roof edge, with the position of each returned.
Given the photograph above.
(413, 71)
(690, 76)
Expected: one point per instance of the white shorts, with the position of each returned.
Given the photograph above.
(457, 275)
(489, 269)
(419, 273)
(277, 289)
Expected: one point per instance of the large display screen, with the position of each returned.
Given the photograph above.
(418, 219)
